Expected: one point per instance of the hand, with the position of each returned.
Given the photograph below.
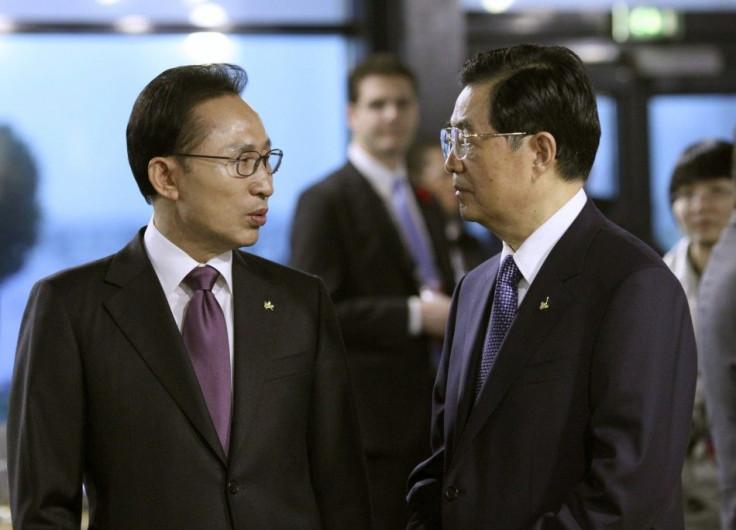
(434, 314)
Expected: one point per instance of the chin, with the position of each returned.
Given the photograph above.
(248, 240)
(467, 214)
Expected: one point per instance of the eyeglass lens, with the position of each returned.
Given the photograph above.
(449, 138)
(452, 139)
(248, 164)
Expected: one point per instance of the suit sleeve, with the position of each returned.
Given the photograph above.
(46, 417)
(338, 469)
(320, 244)
(717, 348)
(642, 385)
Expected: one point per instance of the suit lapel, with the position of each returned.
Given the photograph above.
(255, 329)
(374, 220)
(141, 311)
(542, 308)
(522, 342)
(474, 321)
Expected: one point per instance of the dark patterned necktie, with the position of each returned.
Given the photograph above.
(503, 312)
(205, 336)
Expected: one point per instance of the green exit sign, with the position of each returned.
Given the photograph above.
(643, 23)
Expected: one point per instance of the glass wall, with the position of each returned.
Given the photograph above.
(603, 179)
(499, 6)
(68, 98)
(198, 12)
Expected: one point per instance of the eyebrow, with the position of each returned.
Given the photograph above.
(242, 148)
(462, 125)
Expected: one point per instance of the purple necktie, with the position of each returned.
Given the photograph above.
(419, 247)
(205, 337)
(503, 312)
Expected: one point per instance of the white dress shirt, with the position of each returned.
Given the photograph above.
(172, 265)
(381, 180)
(678, 260)
(533, 252)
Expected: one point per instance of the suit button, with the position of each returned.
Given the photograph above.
(233, 487)
(452, 493)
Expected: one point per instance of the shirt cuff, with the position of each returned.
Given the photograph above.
(415, 315)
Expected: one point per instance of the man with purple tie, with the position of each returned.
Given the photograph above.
(185, 383)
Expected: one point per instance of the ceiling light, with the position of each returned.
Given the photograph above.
(133, 24)
(208, 15)
(209, 47)
(497, 6)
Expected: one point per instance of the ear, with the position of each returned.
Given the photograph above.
(350, 115)
(161, 175)
(545, 149)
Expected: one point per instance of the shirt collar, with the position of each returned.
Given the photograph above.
(533, 252)
(380, 176)
(172, 264)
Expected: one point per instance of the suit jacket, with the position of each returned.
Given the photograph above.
(583, 421)
(717, 347)
(103, 391)
(343, 233)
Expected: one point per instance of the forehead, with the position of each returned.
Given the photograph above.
(377, 86)
(229, 120)
(472, 107)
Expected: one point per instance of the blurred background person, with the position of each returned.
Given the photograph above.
(426, 165)
(380, 249)
(716, 334)
(701, 195)
(19, 220)
(19, 211)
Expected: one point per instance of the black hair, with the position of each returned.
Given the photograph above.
(704, 160)
(163, 122)
(382, 64)
(541, 88)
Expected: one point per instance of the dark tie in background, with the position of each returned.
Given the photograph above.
(505, 302)
(205, 336)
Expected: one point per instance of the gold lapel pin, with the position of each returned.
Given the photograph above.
(268, 305)
(544, 304)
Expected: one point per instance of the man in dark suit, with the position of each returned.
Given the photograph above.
(572, 408)
(392, 304)
(114, 386)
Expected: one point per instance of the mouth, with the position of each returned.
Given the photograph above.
(258, 217)
(459, 190)
(704, 223)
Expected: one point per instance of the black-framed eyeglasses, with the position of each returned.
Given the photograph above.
(247, 163)
(456, 140)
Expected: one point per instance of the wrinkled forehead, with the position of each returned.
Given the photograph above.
(472, 107)
(232, 121)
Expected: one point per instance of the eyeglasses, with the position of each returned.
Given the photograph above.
(456, 140)
(247, 163)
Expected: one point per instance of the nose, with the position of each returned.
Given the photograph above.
(261, 182)
(453, 164)
(391, 112)
(698, 202)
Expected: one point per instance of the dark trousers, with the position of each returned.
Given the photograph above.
(387, 479)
